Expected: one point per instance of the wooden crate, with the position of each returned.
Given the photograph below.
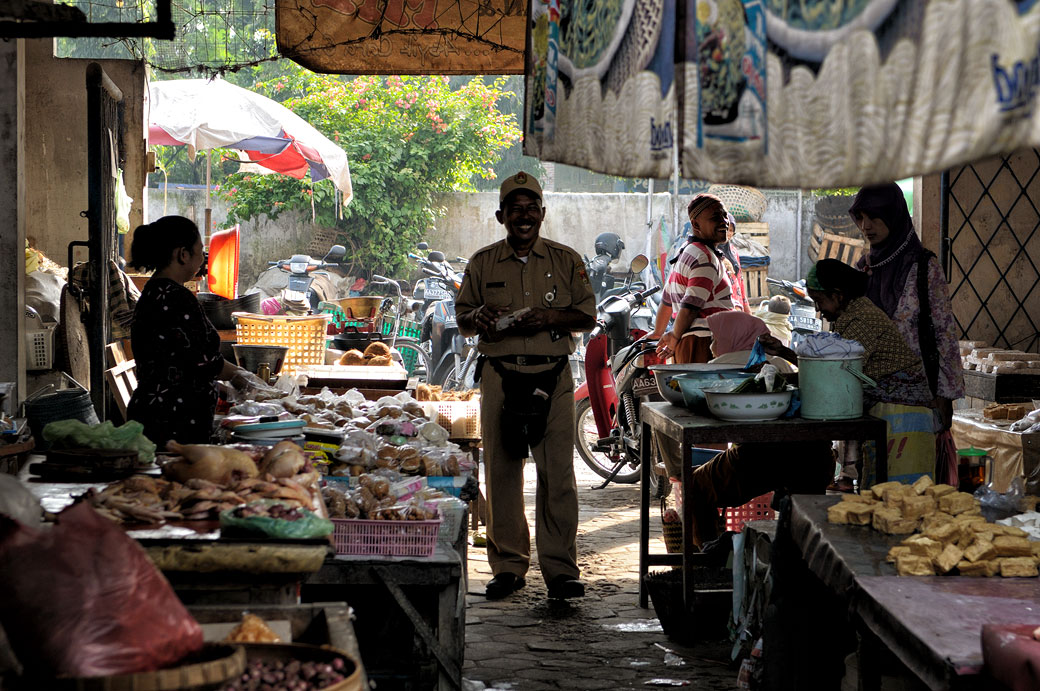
(824, 245)
(755, 278)
(759, 232)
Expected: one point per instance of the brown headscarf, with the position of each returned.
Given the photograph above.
(889, 263)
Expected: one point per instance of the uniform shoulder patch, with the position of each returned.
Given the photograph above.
(584, 275)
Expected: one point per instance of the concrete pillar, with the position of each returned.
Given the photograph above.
(12, 222)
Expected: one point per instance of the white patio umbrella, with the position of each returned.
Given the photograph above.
(210, 114)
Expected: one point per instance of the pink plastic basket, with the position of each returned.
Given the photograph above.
(757, 509)
(386, 538)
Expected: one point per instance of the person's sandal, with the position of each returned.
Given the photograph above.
(502, 585)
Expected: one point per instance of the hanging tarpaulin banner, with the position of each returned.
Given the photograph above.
(403, 36)
(779, 93)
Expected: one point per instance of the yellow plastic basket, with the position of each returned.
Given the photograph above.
(304, 336)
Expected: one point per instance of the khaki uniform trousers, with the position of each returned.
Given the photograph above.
(556, 494)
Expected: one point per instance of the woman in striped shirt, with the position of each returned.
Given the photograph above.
(697, 285)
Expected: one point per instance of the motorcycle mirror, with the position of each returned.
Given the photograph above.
(335, 254)
(422, 246)
(639, 262)
(435, 256)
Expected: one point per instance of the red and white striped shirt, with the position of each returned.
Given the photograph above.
(698, 281)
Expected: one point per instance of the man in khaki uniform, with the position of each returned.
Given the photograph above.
(524, 368)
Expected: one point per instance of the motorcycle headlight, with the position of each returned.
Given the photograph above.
(298, 267)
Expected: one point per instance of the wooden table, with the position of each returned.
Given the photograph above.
(429, 592)
(932, 624)
(690, 429)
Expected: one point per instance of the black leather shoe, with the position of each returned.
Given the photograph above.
(564, 587)
(502, 585)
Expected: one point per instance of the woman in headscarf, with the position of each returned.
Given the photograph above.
(907, 283)
(902, 396)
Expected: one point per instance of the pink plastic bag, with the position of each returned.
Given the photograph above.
(82, 599)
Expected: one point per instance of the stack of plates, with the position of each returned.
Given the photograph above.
(259, 432)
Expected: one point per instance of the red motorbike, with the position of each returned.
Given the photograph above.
(617, 379)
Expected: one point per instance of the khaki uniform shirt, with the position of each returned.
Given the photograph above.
(553, 277)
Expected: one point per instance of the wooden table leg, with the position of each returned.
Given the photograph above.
(645, 461)
(881, 456)
(686, 462)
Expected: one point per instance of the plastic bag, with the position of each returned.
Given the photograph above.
(309, 526)
(18, 502)
(123, 203)
(1009, 500)
(83, 599)
(64, 434)
(757, 357)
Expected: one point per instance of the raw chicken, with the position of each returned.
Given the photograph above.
(219, 464)
(285, 459)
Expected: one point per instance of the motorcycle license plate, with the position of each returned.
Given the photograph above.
(805, 323)
(435, 292)
(644, 386)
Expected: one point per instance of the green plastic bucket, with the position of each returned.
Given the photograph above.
(831, 387)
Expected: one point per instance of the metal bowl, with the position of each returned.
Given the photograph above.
(218, 308)
(251, 356)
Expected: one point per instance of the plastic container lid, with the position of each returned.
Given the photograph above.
(972, 451)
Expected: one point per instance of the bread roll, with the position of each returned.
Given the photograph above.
(377, 349)
(351, 357)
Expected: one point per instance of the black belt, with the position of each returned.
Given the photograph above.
(529, 359)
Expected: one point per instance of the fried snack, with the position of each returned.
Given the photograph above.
(839, 513)
(857, 498)
(922, 546)
(423, 392)
(1008, 546)
(910, 565)
(1018, 567)
(252, 629)
(956, 502)
(939, 490)
(985, 568)
(917, 507)
(879, 490)
(379, 361)
(896, 552)
(351, 357)
(922, 483)
(948, 559)
(980, 550)
(377, 349)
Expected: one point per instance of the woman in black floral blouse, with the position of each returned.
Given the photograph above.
(175, 346)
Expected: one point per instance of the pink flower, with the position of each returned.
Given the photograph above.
(233, 190)
(366, 157)
(310, 193)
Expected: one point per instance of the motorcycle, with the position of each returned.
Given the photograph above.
(302, 294)
(440, 335)
(803, 317)
(617, 380)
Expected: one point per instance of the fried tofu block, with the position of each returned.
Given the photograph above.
(944, 532)
(918, 507)
(981, 534)
(979, 568)
(879, 490)
(896, 552)
(909, 565)
(1018, 567)
(1036, 549)
(949, 557)
(883, 515)
(1011, 530)
(967, 537)
(839, 513)
(858, 498)
(1008, 546)
(936, 518)
(939, 490)
(980, 550)
(895, 496)
(957, 502)
(925, 547)
(922, 483)
(859, 514)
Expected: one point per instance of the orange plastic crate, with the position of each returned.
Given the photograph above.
(304, 336)
(757, 509)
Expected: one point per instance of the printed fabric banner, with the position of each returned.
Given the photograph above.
(403, 36)
(781, 93)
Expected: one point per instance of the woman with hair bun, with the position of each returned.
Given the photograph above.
(176, 348)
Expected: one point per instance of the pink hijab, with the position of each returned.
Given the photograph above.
(734, 330)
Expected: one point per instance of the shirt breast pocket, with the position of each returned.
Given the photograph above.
(498, 296)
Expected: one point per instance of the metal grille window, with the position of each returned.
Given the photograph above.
(992, 246)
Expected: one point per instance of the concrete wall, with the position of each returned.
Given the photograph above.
(56, 145)
(469, 224)
(12, 223)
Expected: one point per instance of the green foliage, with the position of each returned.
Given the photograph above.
(407, 139)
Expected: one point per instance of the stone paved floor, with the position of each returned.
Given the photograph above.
(603, 641)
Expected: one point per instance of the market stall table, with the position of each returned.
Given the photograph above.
(438, 620)
(932, 624)
(202, 565)
(689, 429)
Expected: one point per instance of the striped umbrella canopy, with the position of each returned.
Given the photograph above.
(212, 114)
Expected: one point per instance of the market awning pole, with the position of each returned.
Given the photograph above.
(209, 212)
(675, 182)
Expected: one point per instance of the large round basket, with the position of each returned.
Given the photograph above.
(747, 204)
(207, 670)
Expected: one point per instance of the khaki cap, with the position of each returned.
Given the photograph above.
(520, 181)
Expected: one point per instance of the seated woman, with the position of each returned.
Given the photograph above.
(746, 471)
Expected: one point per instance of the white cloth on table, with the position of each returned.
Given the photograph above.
(827, 344)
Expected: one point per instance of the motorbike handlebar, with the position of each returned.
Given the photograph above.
(376, 278)
(647, 293)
